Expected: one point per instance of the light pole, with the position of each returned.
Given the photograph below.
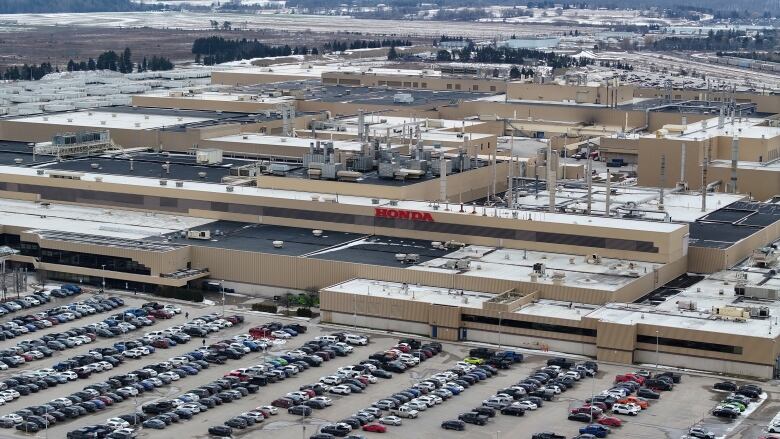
(104, 278)
(222, 289)
(499, 329)
(656, 349)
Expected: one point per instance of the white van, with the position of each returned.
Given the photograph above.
(331, 338)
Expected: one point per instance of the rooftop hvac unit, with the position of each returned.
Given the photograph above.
(179, 184)
(199, 234)
(316, 232)
(229, 188)
(278, 244)
(757, 291)
(687, 305)
(163, 182)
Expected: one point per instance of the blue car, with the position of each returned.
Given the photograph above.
(70, 287)
(454, 390)
(189, 369)
(414, 391)
(196, 355)
(254, 347)
(151, 348)
(100, 405)
(596, 430)
(147, 385)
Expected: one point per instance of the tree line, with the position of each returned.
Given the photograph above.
(108, 60)
(215, 50)
(50, 6)
(123, 63)
(722, 40)
(508, 55)
(340, 46)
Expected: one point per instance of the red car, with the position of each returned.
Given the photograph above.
(259, 332)
(630, 377)
(375, 428)
(106, 400)
(609, 421)
(159, 343)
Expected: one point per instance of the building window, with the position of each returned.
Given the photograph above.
(424, 85)
(536, 326)
(689, 344)
(457, 86)
(492, 88)
(89, 260)
(475, 87)
(449, 86)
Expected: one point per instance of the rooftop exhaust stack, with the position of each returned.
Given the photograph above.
(609, 192)
(663, 183)
(552, 173)
(682, 184)
(721, 119)
(734, 160)
(443, 179)
(704, 182)
(589, 179)
(361, 125)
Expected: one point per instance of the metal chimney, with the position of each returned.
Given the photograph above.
(704, 182)
(589, 179)
(361, 125)
(734, 161)
(721, 118)
(663, 183)
(682, 166)
(443, 178)
(552, 174)
(609, 193)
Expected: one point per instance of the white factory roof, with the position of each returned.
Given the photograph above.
(116, 223)
(679, 206)
(216, 96)
(517, 265)
(293, 142)
(422, 206)
(96, 119)
(420, 293)
(744, 127)
(759, 166)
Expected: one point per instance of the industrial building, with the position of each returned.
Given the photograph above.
(601, 219)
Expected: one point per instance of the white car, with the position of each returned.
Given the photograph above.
(332, 380)
(172, 308)
(302, 395)
(340, 390)
(573, 374)
(173, 376)
(257, 416)
(390, 420)
(323, 399)
(16, 419)
(132, 390)
(626, 409)
(178, 361)
(427, 400)
(420, 406)
(194, 408)
(269, 408)
(346, 347)
(370, 378)
(65, 402)
(106, 365)
(117, 423)
(281, 334)
(355, 339)
(526, 405)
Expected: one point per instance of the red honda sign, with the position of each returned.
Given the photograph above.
(403, 214)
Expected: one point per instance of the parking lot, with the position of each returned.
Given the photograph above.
(690, 403)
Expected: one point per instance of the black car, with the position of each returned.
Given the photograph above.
(335, 430)
(381, 373)
(28, 427)
(485, 411)
(547, 435)
(731, 386)
(581, 417)
(236, 423)
(154, 423)
(221, 431)
(299, 410)
(453, 425)
(473, 418)
(513, 411)
(644, 392)
(724, 412)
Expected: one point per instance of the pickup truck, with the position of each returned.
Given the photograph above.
(404, 411)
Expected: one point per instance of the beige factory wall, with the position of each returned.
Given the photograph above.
(733, 368)
(44, 131)
(238, 77)
(157, 262)
(575, 93)
(711, 260)
(761, 184)
(423, 82)
(669, 245)
(756, 350)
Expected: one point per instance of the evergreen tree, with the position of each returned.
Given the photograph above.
(392, 54)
